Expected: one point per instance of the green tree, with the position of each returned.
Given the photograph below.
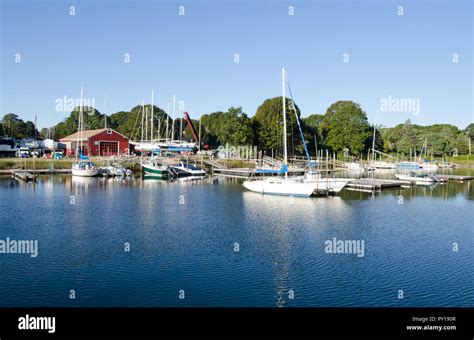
(232, 127)
(470, 130)
(129, 123)
(44, 133)
(345, 126)
(14, 126)
(313, 124)
(268, 126)
(93, 119)
(461, 144)
(30, 130)
(405, 138)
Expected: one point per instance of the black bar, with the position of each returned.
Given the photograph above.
(242, 322)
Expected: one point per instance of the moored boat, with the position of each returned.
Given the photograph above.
(427, 165)
(156, 168)
(303, 186)
(355, 167)
(187, 169)
(384, 165)
(84, 168)
(408, 165)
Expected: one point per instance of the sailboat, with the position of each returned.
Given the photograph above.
(426, 164)
(355, 167)
(147, 146)
(303, 186)
(83, 168)
(154, 166)
(172, 145)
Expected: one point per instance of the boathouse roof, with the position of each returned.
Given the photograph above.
(86, 134)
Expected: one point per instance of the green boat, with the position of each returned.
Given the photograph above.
(155, 168)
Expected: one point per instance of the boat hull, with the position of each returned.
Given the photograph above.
(185, 171)
(416, 179)
(328, 184)
(355, 167)
(384, 165)
(155, 171)
(85, 172)
(408, 166)
(430, 167)
(281, 187)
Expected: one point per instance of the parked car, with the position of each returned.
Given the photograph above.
(23, 152)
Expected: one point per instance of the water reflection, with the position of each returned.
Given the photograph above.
(282, 223)
(190, 245)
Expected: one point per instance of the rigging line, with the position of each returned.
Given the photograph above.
(299, 125)
(136, 119)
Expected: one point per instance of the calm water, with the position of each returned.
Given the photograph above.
(182, 236)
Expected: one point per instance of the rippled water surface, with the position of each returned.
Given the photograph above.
(183, 236)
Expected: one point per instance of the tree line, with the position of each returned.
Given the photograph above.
(342, 128)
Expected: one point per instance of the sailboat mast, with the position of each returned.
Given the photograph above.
(159, 128)
(105, 111)
(285, 151)
(80, 119)
(426, 148)
(49, 125)
(199, 134)
(373, 143)
(172, 118)
(152, 121)
(143, 120)
(167, 121)
(146, 120)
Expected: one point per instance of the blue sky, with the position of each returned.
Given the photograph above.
(192, 56)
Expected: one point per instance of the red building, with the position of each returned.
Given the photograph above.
(100, 142)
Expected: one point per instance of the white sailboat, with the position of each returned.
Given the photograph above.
(84, 167)
(151, 145)
(355, 167)
(175, 145)
(304, 186)
(325, 184)
(425, 164)
(281, 186)
(154, 166)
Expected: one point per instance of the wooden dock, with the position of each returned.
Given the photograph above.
(373, 184)
(24, 176)
(213, 164)
(40, 171)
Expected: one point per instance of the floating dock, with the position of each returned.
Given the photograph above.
(24, 176)
(373, 184)
(245, 172)
(40, 171)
